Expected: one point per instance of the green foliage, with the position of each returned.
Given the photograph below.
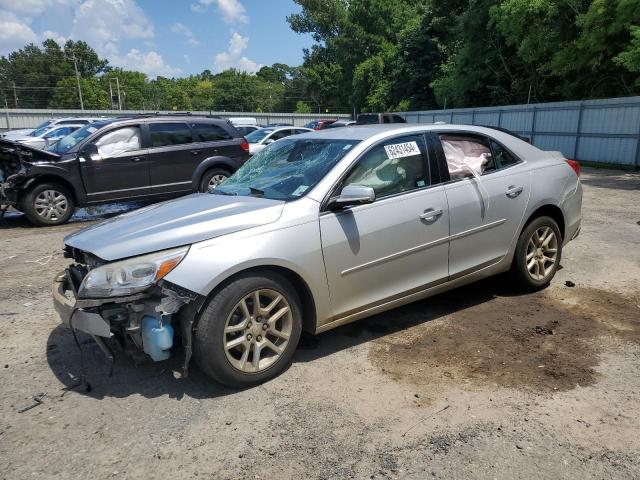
(375, 55)
(302, 107)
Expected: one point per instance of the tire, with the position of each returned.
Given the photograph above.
(534, 263)
(213, 177)
(48, 204)
(224, 321)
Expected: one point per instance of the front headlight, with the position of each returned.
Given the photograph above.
(130, 276)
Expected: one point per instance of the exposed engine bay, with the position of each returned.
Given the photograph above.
(143, 322)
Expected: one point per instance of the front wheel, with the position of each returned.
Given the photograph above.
(538, 254)
(249, 331)
(48, 204)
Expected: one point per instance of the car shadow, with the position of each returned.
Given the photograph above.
(141, 376)
(611, 179)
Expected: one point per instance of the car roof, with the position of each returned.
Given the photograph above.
(363, 132)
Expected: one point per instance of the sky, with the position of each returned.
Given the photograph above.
(162, 37)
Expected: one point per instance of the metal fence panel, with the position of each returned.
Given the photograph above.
(606, 130)
(29, 118)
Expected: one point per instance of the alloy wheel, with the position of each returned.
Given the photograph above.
(542, 253)
(51, 204)
(257, 331)
(217, 180)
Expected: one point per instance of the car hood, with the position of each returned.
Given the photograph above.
(174, 223)
(13, 134)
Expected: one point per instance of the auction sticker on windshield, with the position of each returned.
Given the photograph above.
(400, 150)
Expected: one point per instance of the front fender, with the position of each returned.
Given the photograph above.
(217, 161)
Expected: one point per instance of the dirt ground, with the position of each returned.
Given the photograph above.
(480, 382)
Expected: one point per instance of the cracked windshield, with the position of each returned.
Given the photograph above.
(287, 169)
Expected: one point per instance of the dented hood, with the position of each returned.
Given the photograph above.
(183, 221)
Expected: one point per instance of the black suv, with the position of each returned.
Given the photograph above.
(149, 157)
(374, 118)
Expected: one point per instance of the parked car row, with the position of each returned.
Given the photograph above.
(150, 157)
(316, 230)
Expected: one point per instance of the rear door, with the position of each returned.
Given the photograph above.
(120, 169)
(213, 140)
(486, 212)
(173, 160)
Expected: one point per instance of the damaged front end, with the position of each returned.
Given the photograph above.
(15, 161)
(127, 301)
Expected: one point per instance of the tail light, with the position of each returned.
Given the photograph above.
(245, 145)
(575, 165)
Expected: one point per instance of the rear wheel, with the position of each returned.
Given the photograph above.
(249, 331)
(538, 254)
(212, 178)
(48, 204)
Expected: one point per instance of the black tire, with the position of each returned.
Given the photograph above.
(210, 174)
(210, 338)
(520, 272)
(61, 200)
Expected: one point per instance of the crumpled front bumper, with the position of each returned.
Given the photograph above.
(71, 312)
(8, 194)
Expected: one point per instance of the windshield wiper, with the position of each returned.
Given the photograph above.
(217, 191)
(256, 191)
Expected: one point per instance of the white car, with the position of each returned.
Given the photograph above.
(259, 139)
(14, 135)
(46, 136)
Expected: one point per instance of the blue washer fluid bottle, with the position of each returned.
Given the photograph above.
(157, 337)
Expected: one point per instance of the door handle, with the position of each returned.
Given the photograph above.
(513, 191)
(195, 152)
(431, 214)
(136, 159)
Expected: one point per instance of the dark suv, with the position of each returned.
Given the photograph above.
(148, 157)
(374, 118)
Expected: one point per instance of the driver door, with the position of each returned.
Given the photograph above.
(395, 246)
(120, 169)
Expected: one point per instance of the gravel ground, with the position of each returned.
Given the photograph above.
(480, 382)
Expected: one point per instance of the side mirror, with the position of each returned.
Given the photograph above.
(90, 152)
(269, 141)
(353, 195)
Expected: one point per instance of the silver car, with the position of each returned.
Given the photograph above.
(261, 138)
(47, 136)
(316, 231)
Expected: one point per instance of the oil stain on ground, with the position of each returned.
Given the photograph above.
(545, 341)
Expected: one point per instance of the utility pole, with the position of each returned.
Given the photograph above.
(113, 104)
(75, 66)
(15, 95)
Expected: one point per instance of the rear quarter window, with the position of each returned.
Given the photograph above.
(210, 132)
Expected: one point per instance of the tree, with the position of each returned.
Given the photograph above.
(302, 107)
(94, 95)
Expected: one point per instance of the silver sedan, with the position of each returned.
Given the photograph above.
(314, 232)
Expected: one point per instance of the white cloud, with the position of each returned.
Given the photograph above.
(34, 7)
(232, 11)
(14, 33)
(104, 22)
(150, 63)
(181, 29)
(60, 40)
(233, 58)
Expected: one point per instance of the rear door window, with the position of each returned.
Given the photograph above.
(210, 132)
(463, 151)
(166, 134)
(280, 134)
